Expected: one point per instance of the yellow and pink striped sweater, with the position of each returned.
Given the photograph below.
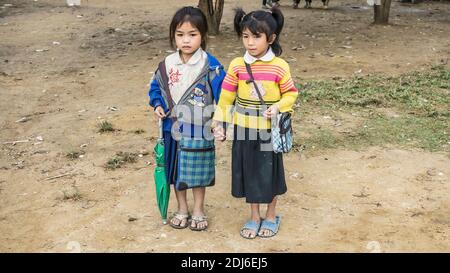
(274, 82)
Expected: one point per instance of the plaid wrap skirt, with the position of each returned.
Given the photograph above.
(196, 163)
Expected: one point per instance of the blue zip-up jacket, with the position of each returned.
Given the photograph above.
(157, 99)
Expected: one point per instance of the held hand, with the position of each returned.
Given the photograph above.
(219, 133)
(214, 124)
(271, 112)
(159, 112)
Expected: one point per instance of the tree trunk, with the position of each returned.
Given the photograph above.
(381, 12)
(213, 13)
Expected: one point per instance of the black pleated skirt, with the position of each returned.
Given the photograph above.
(257, 172)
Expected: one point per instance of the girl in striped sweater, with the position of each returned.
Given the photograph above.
(257, 172)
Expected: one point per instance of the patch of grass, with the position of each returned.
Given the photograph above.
(422, 93)
(74, 154)
(421, 101)
(120, 159)
(408, 131)
(72, 194)
(114, 163)
(105, 126)
(128, 157)
(322, 139)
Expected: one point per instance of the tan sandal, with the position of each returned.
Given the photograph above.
(198, 219)
(180, 217)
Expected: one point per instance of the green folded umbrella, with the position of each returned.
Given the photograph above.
(161, 185)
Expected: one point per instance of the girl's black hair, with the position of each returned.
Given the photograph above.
(192, 15)
(261, 22)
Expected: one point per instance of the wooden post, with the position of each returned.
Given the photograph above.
(213, 13)
(381, 12)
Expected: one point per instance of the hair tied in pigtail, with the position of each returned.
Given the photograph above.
(238, 20)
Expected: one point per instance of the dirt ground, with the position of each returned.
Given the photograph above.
(63, 70)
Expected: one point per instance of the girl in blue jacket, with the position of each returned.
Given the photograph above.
(182, 93)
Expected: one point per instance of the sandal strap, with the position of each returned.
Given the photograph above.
(272, 226)
(251, 225)
(180, 216)
(200, 218)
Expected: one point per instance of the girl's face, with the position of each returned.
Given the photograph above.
(187, 39)
(256, 44)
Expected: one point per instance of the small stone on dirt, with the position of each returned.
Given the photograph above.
(432, 172)
(24, 119)
(132, 218)
(296, 176)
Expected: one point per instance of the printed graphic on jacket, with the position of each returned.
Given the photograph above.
(198, 96)
(174, 76)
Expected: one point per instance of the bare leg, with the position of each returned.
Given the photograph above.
(182, 208)
(255, 216)
(199, 200)
(270, 216)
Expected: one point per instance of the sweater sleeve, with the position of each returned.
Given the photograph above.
(289, 92)
(227, 96)
(155, 95)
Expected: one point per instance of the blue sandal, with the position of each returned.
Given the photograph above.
(269, 225)
(250, 225)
